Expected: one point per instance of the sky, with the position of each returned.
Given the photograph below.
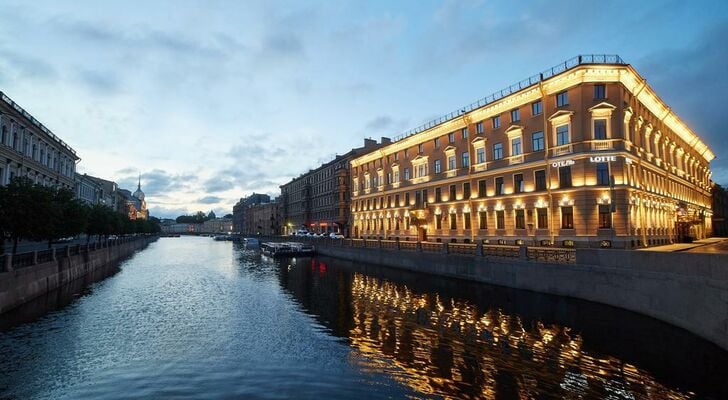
(211, 101)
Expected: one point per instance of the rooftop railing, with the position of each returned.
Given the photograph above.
(34, 121)
(583, 59)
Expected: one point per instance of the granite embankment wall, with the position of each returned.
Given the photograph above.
(684, 289)
(25, 277)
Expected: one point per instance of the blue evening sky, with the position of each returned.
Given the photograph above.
(213, 100)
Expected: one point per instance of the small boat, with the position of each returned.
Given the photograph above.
(287, 249)
(223, 237)
(251, 242)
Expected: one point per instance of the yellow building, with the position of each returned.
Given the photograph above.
(583, 154)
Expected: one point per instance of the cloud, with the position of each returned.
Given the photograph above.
(379, 123)
(158, 182)
(209, 200)
(17, 65)
(99, 82)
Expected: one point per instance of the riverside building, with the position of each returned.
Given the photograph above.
(584, 154)
(29, 149)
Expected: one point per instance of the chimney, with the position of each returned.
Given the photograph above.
(368, 143)
(386, 140)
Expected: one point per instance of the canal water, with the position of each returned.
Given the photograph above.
(194, 318)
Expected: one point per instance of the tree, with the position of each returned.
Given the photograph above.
(228, 216)
(26, 210)
(68, 216)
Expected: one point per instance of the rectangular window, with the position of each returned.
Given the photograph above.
(406, 199)
(437, 143)
(565, 177)
(466, 159)
(464, 133)
(516, 146)
(420, 148)
(396, 176)
(479, 128)
(396, 156)
(451, 137)
(418, 199)
(482, 220)
(536, 108)
(438, 195)
(567, 217)
(480, 155)
(605, 216)
(481, 188)
(453, 221)
(498, 151)
(396, 200)
(537, 143)
(603, 174)
(452, 193)
(438, 166)
(466, 190)
(562, 135)
(499, 185)
(496, 122)
(466, 220)
(515, 115)
(600, 129)
(406, 154)
(600, 92)
(520, 219)
(421, 170)
(542, 219)
(518, 183)
(500, 219)
(562, 99)
(438, 221)
(451, 163)
(406, 174)
(540, 178)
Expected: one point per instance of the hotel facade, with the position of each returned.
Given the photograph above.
(584, 154)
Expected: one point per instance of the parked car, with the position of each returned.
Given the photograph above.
(334, 235)
(300, 232)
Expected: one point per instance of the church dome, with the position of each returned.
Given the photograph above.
(138, 193)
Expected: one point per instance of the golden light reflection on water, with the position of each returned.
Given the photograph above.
(449, 348)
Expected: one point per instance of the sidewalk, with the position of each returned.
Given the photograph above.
(684, 246)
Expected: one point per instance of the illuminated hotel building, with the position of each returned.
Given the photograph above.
(584, 154)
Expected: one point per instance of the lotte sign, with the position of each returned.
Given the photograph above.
(600, 159)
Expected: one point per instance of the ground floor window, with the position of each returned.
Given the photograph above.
(482, 220)
(466, 220)
(520, 219)
(567, 217)
(453, 221)
(438, 221)
(542, 220)
(500, 219)
(605, 216)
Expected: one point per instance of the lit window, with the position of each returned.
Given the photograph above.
(480, 155)
(562, 135)
(518, 183)
(482, 220)
(466, 190)
(537, 143)
(466, 220)
(562, 99)
(451, 163)
(498, 185)
(536, 108)
(605, 216)
(565, 177)
(600, 129)
(603, 174)
(520, 219)
(453, 221)
(567, 217)
(542, 219)
(498, 151)
(500, 219)
(516, 147)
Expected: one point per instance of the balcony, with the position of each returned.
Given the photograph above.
(479, 167)
(517, 159)
(562, 150)
(602, 145)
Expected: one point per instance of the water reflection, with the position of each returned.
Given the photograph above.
(451, 338)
